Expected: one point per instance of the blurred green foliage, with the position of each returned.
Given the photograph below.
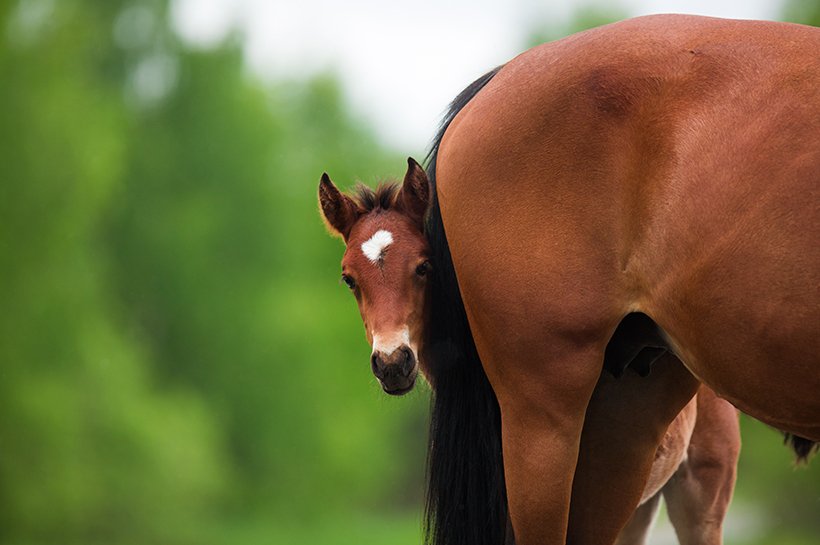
(806, 12)
(174, 343)
(178, 362)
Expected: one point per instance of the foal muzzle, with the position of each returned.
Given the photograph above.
(396, 371)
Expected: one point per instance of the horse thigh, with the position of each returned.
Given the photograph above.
(698, 495)
(625, 423)
(542, 416)
(543, 377)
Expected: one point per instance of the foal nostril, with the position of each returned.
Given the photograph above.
(406, 354)
(398, 365)
(376, 365)
(407, 362)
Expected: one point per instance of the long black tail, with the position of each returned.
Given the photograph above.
(466, 498)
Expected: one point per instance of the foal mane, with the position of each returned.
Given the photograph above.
(384, 197)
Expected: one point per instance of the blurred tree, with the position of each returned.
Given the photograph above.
(88, 443)
(806, 12)
(225, 272)
(166, 283)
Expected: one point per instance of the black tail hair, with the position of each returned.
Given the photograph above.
(466, 497)
(802, 447)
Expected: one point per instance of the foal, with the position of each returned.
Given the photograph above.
(386, 266)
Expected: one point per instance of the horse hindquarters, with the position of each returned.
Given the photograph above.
(596, 176)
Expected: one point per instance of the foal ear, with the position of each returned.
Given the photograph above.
(338, 210)
(414, 196)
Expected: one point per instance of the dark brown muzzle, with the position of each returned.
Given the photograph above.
(396, 371)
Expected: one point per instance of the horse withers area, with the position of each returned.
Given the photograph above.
(615, 218)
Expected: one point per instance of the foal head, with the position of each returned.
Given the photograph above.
(385, 265)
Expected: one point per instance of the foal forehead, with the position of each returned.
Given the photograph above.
(373, 236)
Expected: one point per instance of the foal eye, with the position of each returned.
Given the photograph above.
(423, 269)
(349, 282)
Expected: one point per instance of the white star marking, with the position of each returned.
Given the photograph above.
(374, 247)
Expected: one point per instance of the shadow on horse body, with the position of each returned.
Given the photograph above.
(665, 167)
(387, 264)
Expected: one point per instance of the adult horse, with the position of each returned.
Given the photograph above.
(645, 188)
(660, 176)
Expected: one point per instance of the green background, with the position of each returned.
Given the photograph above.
(178, 361)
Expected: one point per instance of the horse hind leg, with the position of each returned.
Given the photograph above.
(626, 420)
(636, 531)
(698, 495)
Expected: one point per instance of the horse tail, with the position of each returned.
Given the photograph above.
(466, 501)
(802, 447)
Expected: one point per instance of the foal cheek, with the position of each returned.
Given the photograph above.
(415, 318)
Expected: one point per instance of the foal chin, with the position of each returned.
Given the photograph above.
(394, 361)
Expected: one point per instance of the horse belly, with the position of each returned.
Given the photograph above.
(735, 274)
(752, 337)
